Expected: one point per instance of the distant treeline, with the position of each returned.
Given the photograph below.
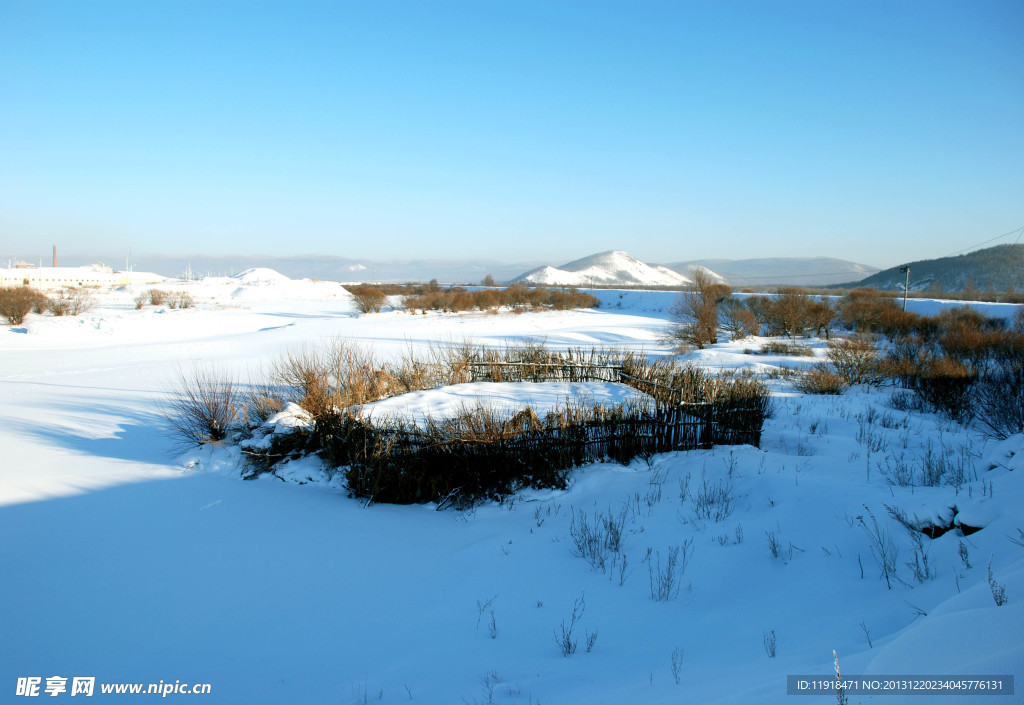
(370, 298)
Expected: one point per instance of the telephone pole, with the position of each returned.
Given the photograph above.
(906, 286)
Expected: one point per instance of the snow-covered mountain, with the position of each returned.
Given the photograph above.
(613, 268)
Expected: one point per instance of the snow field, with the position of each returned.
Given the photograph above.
(128, 561)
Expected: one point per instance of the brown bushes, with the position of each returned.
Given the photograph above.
(153, 297)
(457, 299)
(479, 454)
(821, 379)
(70, 302)
(204, 407)
(738, 320)
(368, 299)
(16, 302)
(855, 360)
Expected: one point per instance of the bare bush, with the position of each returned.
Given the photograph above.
(155, 297)
(872, 311)
(203, 408)
(666, 581)
(676, 664)
(516, 297)
(1000, 400)
(998, 590)
(179, 299)
(596, 540)
(259, 402)
(713, 500)
(946, 385)
(368, 299)
(70, 302)
(16, 302)
(883, 548)
(855, 360)
(778, 347)
(821, 379)
(564, 638)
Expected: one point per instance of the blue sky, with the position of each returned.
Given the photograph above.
(876, 132)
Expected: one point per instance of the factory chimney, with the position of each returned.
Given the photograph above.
(55, 256)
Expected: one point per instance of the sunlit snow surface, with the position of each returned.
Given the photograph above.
(127, 560)
(503, 399)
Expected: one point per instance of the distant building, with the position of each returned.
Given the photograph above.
(96, 275)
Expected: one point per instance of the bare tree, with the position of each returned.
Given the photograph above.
(695, 312)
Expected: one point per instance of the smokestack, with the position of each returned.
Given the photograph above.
(54, 256)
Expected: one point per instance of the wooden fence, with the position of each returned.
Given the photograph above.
(406, 465)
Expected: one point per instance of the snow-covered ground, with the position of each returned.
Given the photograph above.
(503, 399)
(127, 561)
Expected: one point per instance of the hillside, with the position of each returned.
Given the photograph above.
(612, 268)
(997, 268)
(778, 271)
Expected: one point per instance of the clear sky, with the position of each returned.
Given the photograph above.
(878, 132)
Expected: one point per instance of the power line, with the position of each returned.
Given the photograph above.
(1019, 230)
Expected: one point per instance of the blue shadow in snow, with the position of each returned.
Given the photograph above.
(145, 440)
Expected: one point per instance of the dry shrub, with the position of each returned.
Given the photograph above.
(40, 302)
(872, 311)
(516, 297)
(368, 299)
(260, 401)
(1000, 400)
(777, 347)
(16, 302)
(821, 379)
(179, 299)
(204, 407)
(154, 297)
(70, 302)
(946, 386)
(856, 360)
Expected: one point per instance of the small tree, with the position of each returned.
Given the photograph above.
(695, 312)
(738, 320)
(788, 312)
(488, 281)
(820, 317)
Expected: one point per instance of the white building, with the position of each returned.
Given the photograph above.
(57, 277)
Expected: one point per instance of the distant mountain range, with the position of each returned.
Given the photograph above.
(612, 268)
(332, 268)
(998, 268)
(781, 271)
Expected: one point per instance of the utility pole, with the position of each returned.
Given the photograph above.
(906, 286)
